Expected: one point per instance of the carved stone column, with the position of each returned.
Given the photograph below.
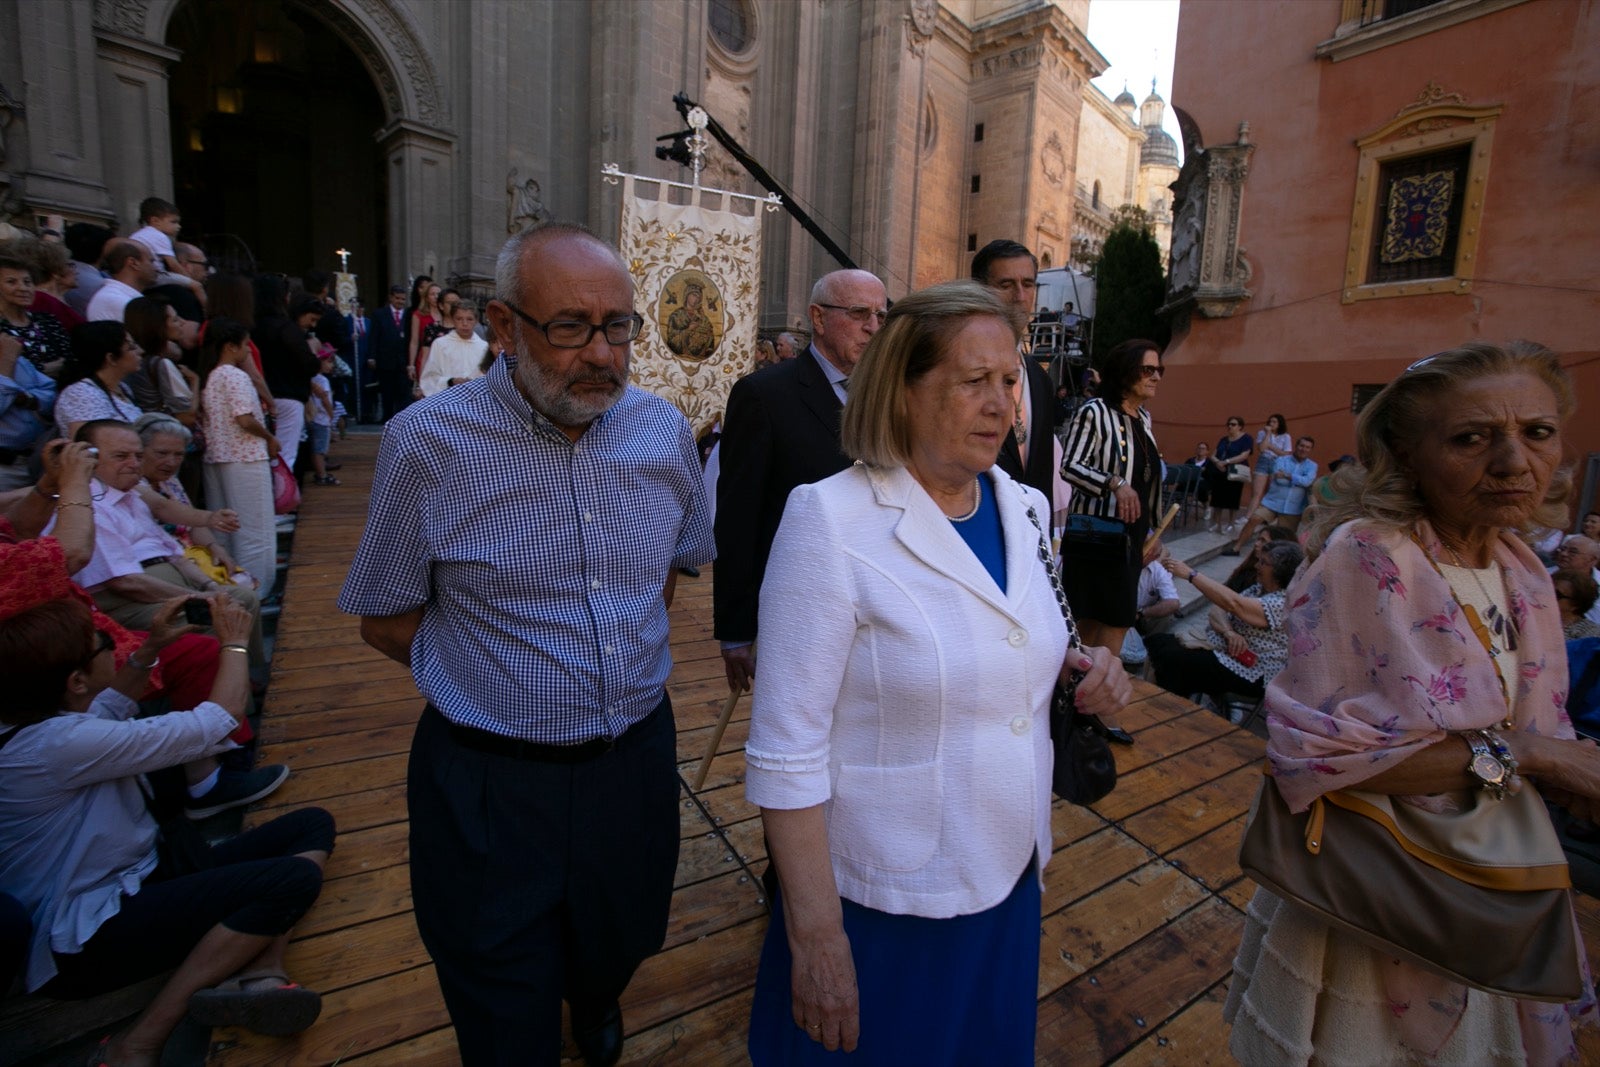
(131, 75)
(420, 165)
(57, 158)
(1209, 272)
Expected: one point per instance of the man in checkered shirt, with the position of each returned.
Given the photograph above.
(520, 554)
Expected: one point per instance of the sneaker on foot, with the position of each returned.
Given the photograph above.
(235, 789)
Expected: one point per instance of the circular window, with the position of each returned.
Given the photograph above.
(733, 24)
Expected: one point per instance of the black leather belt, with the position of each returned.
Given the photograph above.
(153, 560)
(515, 748)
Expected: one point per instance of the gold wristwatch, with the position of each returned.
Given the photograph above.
(1486, 767)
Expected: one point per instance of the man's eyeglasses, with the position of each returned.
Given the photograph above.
(566, 333)
(859, 312)
(1150, 372)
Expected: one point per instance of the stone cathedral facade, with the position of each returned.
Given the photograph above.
(417, 133)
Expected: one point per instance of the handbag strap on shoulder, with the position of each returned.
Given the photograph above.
(1050, 568)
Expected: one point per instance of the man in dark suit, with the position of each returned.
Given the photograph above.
(782, 430)
(1028, 454)
(388, 354)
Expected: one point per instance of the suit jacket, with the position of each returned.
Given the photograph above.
(1040, 471)
(781, 430)
(388, 340)
(905, 691)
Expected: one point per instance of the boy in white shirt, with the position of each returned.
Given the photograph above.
(161, 223)
(456, 357)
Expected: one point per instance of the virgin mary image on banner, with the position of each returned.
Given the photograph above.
(690, 315)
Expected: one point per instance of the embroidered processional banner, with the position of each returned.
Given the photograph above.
(698, 272)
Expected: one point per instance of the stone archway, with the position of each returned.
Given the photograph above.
(416, 138)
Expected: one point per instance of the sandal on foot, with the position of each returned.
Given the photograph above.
(276, 1010)
(101, 1055)
(325, 479)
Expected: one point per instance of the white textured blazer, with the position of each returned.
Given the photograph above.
(901, 689)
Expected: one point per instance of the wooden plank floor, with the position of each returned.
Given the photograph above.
(1142, 904)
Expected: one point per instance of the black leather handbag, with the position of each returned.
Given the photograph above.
(1085, 770)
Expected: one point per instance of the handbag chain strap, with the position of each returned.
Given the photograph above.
(1054, 572)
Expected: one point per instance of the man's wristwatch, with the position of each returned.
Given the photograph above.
(1493, 776)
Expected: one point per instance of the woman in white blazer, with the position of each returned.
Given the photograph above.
(899, 745)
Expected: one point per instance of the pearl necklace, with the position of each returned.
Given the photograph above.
(977, 502)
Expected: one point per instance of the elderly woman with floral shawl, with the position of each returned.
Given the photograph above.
(1421, 619)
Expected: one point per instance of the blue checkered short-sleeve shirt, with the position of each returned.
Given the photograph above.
(539, 563)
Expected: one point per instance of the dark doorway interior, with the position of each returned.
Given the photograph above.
(273, 117)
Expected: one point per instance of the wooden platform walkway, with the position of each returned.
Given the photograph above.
(1142, 906)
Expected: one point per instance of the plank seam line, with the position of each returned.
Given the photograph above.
(722, 836)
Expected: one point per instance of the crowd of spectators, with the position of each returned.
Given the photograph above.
(144, 401)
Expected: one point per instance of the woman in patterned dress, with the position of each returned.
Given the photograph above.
(239, 449)
(1423, 636)
(94, 381)
(1247, 644)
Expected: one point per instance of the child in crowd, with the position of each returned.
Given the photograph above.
(159, 224)
(457, 356)
(319, 418)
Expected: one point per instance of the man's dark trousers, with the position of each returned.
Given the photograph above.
(535, 882)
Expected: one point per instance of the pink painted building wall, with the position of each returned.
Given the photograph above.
(1296, 345)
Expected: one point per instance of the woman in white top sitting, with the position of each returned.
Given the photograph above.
(80, 849)
(899, 744)
(93, 384)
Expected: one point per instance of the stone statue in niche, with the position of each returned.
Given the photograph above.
(526, 210)
(1209, 273)
(9, 106)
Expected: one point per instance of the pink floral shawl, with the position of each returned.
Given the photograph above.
(1383, 663)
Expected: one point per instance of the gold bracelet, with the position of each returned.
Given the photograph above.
(235, 648)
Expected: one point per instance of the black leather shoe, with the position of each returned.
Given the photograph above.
(1119, 736)
(689, 572)
(600, 1041)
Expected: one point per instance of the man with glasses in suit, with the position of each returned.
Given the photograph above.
(782, 430)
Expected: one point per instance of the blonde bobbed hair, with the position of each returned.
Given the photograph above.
(876, 428)
(1380, 489)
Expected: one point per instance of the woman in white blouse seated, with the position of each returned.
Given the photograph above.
(899, 745)
(79, 847)
(1248, 643)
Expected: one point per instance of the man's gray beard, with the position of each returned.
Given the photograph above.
(551, 395)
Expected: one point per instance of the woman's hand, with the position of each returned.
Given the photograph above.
(223, 520)
(168, 625)
(823, 980)
(1560, 765)
(273, 448)
(1104, 690)
(220, 557)
(230, 622)
(1236, 644)
(1127, 503)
